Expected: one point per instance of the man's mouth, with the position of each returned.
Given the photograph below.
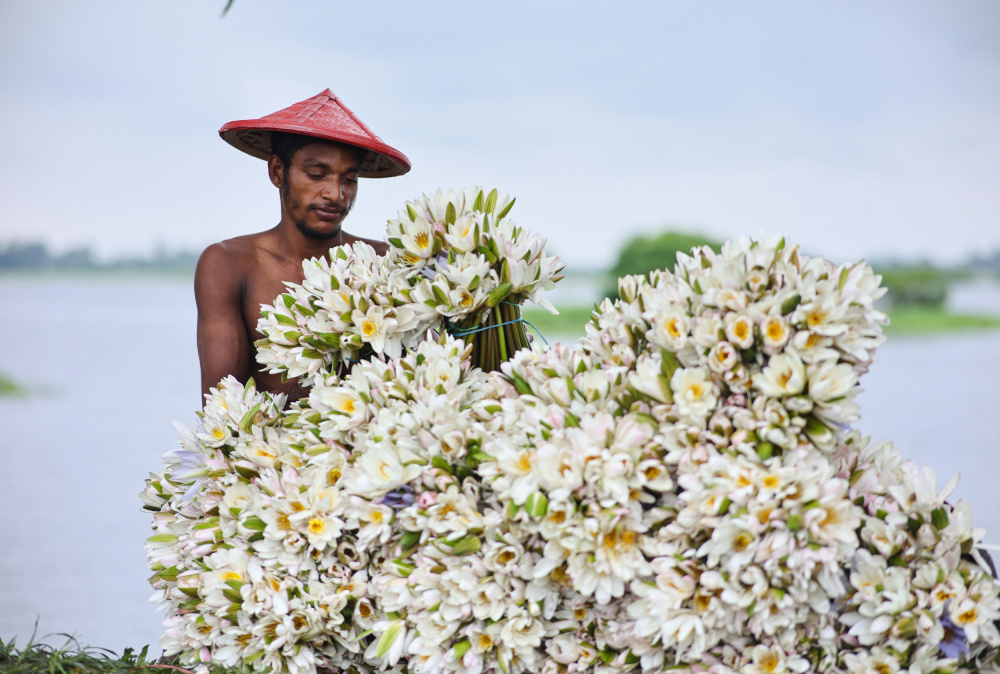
(328, 213)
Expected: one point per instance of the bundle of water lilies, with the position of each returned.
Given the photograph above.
(678, 491)
(456, 264)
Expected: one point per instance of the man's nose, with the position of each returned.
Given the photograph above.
(333, 190)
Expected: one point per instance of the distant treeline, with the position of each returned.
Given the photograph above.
(37, 256)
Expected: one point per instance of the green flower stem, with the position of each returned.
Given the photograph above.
(500, 334)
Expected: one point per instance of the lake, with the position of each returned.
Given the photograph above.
(110, 361)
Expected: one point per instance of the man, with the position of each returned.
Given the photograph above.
(315, 150)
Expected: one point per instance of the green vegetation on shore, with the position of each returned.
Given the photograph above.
(912, 320)
(9, 387)
(906, 320)
(73, 657)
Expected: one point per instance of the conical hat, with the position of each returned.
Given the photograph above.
(322, 116)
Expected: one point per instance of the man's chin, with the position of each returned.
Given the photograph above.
(311, 232)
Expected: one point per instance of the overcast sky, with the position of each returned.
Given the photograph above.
(855, 128)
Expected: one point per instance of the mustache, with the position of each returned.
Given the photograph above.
(328, 207)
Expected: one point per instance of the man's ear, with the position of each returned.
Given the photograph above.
(276, 171)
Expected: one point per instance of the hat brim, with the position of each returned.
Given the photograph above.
(253, 136)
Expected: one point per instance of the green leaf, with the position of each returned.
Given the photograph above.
(449, 214)
(163, 538)
(255, 523)
(168, 573)
(795, 523)
(409, 539)
(939, 518)
(477, 205)
(670, 363)
(491, 201)
(288, 300)
(247, 421)
(412, 212)
(331, 339)
(388, 637)
(765, 450)
(286, 320)
(788, 306)
(439, 295)
(404, 566)
(502, 214)
(441, 463)
(465, 546)
(462, 647)
(537, 504)
(498, 294)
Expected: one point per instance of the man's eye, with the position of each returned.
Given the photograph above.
(351, 179)
(315, 176)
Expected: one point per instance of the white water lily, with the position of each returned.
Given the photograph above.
(785, 375)
(694, 391)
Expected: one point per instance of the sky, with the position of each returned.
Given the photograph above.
(856, 128)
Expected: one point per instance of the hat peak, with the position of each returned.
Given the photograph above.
(323, 116)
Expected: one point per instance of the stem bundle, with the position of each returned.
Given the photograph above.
(500, 335)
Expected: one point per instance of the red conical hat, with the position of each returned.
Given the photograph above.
(322, 116)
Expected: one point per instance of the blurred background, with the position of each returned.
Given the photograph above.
(856, 129)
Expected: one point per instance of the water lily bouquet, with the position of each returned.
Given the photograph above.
(344, 309)
(678, 491)
(470, 265)
(457, 263)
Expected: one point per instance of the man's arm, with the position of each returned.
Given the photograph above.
(222, 333)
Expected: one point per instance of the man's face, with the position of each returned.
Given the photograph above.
(319, 187)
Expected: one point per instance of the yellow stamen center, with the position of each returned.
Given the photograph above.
(968, 617)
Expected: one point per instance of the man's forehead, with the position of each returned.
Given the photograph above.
(324, 152)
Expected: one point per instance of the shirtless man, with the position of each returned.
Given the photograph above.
(317, 179)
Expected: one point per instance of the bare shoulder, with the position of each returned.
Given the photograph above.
(222, 267)
(229, 260)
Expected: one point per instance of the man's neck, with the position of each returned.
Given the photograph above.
(303, 247)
